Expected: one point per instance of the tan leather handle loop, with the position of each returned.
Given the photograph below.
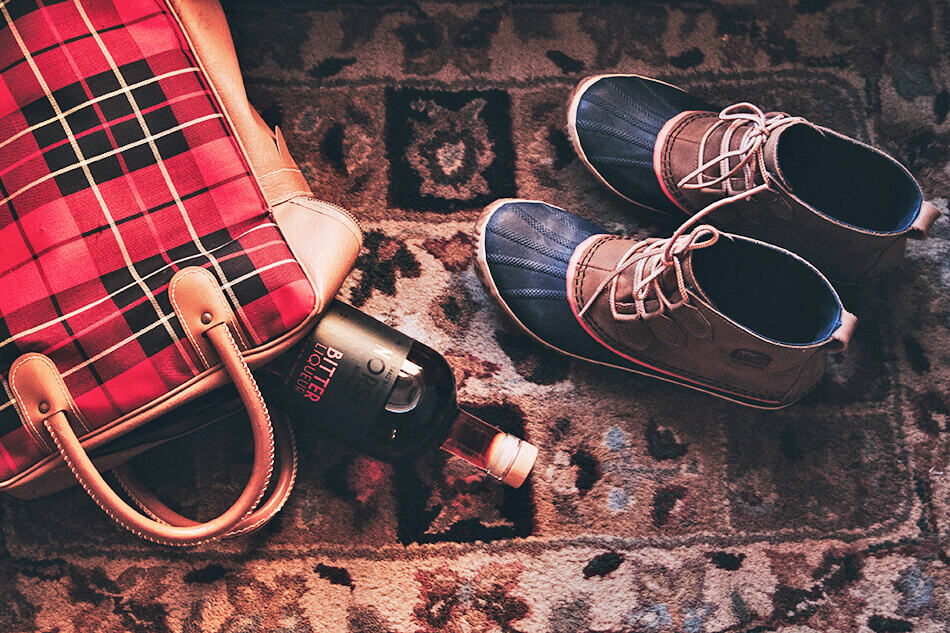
(88, 476)
(286, 471)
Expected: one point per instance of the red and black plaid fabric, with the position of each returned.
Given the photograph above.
(118, 168)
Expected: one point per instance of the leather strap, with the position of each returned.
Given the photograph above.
(36, 375)
(286, 469)
(206, 317)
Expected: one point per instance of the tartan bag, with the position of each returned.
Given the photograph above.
(156, 241)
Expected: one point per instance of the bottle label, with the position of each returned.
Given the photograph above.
(346, 369)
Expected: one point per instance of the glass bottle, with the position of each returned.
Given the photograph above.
(388, 395)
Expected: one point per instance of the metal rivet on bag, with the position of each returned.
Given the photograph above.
(44, 407)
(206, 318)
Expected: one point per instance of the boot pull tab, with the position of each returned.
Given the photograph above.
(839, 339)
(925, 218)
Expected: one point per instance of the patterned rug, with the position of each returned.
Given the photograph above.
(651, 508)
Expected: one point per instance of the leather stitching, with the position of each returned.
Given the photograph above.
(135, 499)
(30, 425)
(181, 314)
(80, 478)
(127, 525)
(293, 447)
(250, 528)
(293, 480)
(95, 497)
(667, 159)
(229, 315)
(263, 405)
(69, 401)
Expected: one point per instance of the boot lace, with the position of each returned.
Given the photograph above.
(755, 126)
(649, 259)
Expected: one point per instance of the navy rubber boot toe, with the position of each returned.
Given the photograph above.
(523, 250)
(614, 120)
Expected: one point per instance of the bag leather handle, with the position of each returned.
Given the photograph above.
(286, 474)
(205, 315)
(221, 340)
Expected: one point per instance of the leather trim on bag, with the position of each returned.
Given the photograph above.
(301, 218)
(263, 149)
(194, 292)
(39, 392)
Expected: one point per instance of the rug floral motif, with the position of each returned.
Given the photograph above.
(650, 508)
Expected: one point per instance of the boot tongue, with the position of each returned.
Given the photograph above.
(715, 147)
(689, 277)
(770, 152)
(667, 282)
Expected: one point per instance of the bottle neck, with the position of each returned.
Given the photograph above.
(499, 454)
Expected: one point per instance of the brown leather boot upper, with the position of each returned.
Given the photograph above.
(844, 206)
(721, 313)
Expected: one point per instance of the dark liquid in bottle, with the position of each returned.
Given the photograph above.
(387, 395)
(368, 384)
(420, 408)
